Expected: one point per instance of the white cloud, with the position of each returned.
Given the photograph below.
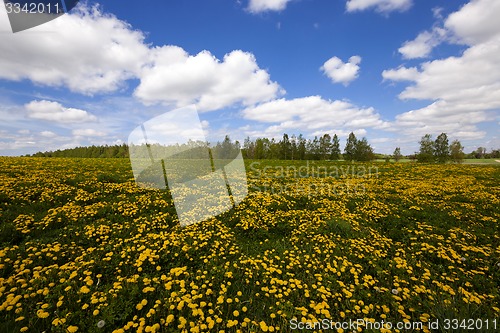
(87, 51)
(87, 132)
(383, 6)
(401, 74)
(340, 72)
(464, 89)
(439, 117)
(259, 6)
(422, 46)
(437, 12)
(48, 134)
(312, 114)
(55, 112)
(473, 78)
(91, 52)
(175, 77)
(18, 144)
(476, 22)
(381, 140)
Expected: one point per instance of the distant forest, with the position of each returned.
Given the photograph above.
(114, 151)
(288, 148)
(292, 147)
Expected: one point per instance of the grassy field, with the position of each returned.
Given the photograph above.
(465, 161)
(482, 161)
(83, 249)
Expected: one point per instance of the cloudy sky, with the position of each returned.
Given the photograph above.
(390, 70)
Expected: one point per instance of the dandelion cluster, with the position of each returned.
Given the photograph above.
(86, 253)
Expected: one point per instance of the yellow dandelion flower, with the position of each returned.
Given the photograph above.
(84, 289)
(42, 314)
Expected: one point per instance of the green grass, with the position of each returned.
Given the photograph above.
(482, 161)
(309, 249)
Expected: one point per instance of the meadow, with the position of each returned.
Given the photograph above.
(83, 249)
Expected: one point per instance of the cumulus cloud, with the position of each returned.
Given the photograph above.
(48, 134)
(312, 114)
(465, 89)
(175, 77)
(259, 6)
(476, 22)
(423, 44)
(401, 74)
(439, 117)
(382, 6)
(87, 51)
(340, 72)
(87, 132)
(91, 52)
(473, 77)
(55, 112)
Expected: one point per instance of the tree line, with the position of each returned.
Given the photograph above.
(113, 151)
(294, 147)
(288, 147)
(325, 147)
(441, 151)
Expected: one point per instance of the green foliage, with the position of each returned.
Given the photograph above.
(441, 148)
(325, 147)
(350, 147)
(440, 151)
(363, 151)
(335, 153)
(116, 151)
(397, 154)
(285, 148)
(226, 149)
(426, 153)
(456, 152)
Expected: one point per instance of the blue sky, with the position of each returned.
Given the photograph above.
(390, 70)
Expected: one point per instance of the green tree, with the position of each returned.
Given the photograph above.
(285, 148)
(274, 149)
(363, 151)
(293, 150)
(313, 149)
(223, 150)
(248, 148)
(335, 152)
(261, 148)
(456, 152)
(479, 152)
(426, 153)
(325, 146)
(301, 147)
(350, 147)
(397, 154)
(442, 148)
